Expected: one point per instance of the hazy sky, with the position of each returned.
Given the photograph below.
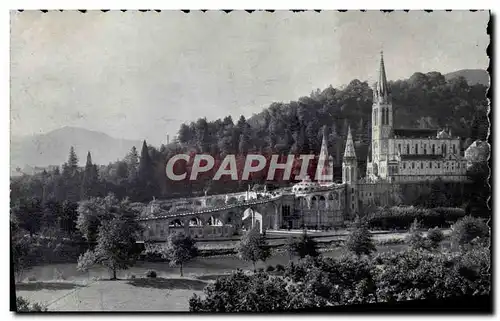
(140, 75)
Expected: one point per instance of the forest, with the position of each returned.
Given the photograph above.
(296, 127)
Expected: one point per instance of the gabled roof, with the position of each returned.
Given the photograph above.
(414, 133)
(421, 157)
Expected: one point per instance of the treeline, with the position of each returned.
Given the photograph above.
(423, 100)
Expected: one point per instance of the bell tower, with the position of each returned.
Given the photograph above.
(382, 118)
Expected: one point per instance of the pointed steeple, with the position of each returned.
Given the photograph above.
(323, 154)
(349, 152)
(382, 89)
(324, 172)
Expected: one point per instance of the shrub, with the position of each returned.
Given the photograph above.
(359, 241)
(238, 293)
(270, 268)
(401, 217)
(23, 305)
(468, 229)
(151, 274)
(32, 278)
(132, 276)
(280, 268)
(260, 270)
(435, 236)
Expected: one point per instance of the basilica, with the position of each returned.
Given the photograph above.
(396, 156)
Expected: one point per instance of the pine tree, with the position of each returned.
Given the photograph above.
(71, 166)
(132, 160)
(145, 164)
(89, 180)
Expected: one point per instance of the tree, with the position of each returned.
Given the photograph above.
(71, 166)
(359, 241)
(116, 240)
(416, 239)
(89, 180)
(28, 214)
(302, 247)
(239, 292)
(132, 160)
(253, 247)
(179, 250)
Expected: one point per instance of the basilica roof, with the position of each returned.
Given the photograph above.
(421, 157)
(415, 133)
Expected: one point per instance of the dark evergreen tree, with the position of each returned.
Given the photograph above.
(89, 181)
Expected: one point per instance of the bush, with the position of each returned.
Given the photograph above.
(280, 268)
(359, 241)
(468, 229)
(401, 217)
(270, 268)
(23, 305)
(151, 274)
(435, 236)
(31, 278)
(260, 270)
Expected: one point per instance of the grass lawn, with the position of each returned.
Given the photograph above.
(79, 291)
(121, 295)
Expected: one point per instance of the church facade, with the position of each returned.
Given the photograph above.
(396, 157)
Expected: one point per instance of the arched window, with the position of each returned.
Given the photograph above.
(416, 148)
(413, 165)
(421, 165)
(430, 165)
(454, 149)
(408, 149)
(352, 174)
(425, 149)
(347, 174)
(444, 149)
(433, 149)
(387, 116)
(375, 113)
(399, 148)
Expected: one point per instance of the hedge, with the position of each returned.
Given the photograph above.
(401, 217)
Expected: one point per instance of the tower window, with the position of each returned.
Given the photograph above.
(421, 165)
(425, 149)
(375, 112)
(399, 148)
(387, 116)
(416, 148)
(408, 149)
(439, 165)
(433, 149)
(430, 165)
(454, 149)
(444, 149)
(347, 174)
(404, 165)
(413, 165)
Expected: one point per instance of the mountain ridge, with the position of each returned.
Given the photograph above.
(52, 148)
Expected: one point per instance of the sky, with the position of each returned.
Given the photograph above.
(140, 75)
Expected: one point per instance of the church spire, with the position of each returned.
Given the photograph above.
(382, 89)
(349, 152)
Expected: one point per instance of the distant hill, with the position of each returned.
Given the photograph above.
(473, 76)
(52, 148)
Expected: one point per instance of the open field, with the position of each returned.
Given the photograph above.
(169, 292)
(63, 288)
